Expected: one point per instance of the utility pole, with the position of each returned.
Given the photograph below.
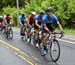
(17, 2)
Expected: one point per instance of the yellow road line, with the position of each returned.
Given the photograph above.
(7, 44)
(26, 60)
(11, 46)
(18, 50)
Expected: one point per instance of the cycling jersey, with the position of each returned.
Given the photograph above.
(46, 19)
(8, 18)
(22, 20)
(30, 20)
(49, 20)
(39, 19)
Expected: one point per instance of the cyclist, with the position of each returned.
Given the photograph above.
(8, 21)
(30, 23)
(48, 27)
(22, 21)
(38, 24)
(1, 22)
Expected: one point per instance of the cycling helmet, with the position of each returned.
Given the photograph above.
(33, 13)
(8, 15)
(42, 12)
(49, 9)
(23, 15)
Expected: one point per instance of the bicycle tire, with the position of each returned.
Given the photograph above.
(55, 60)
(11, 34)
(29, 40)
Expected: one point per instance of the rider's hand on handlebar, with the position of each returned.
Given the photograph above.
(40, 27)
(20, 24)
(30, 26)
(62, 34)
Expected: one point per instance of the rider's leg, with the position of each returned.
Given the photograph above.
(36, 35)
(6, 29)
(44, 41)
(21, 30)
(28, 33)
(52, 29)
(44, 49)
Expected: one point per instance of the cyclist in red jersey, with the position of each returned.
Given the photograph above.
(30, 23)
(8, 21)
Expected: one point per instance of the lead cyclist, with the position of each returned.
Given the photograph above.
(48, 27)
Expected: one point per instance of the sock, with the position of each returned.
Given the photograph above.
(45, 48)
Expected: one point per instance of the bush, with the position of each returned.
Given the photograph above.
(65, 10)
(12, 12)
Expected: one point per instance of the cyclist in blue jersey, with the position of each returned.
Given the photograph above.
(22, 20)
(48, 27)
(37, 24)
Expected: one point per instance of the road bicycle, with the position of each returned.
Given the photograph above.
(53, 45)
(9, 33)
(23, 32)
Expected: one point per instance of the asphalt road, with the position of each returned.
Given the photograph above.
(21, 53)
(7, 57)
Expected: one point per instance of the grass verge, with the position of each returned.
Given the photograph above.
(69, 32)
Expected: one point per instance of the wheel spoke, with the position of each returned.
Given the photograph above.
(55, 50)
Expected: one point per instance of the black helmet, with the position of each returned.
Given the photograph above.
(23, 14)
(8, 14)
(42, 12)
(49, 9)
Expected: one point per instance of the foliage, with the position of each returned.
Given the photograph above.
(65, 9)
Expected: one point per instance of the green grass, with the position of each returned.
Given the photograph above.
(69, 32)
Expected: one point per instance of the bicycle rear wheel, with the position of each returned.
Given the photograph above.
(54, 50)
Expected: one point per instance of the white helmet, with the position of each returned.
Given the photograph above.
(33, 13)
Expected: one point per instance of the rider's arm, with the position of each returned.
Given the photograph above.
(57, 21)
(19, 20)
(60, 27)
(36, 20)
(5, 22)
(12, 20)
(29, 21)
(45, 27)
(36, 23)
(26, 18)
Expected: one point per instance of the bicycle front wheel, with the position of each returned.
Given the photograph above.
(54, 50)
(11, 34)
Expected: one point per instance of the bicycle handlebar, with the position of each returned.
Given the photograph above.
(62, 33)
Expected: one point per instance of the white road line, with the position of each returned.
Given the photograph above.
(36, 58)
(67, 41)
(69, 38)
